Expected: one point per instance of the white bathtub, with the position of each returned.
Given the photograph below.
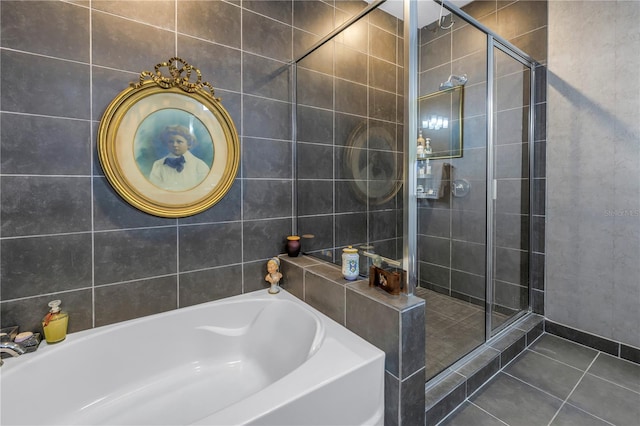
(251, 359)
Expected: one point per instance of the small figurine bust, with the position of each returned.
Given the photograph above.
(273, 275)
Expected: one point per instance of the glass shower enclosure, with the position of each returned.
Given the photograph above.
(413, 142)
(473, 235)
(349, 140)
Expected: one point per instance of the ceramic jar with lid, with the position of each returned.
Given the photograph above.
(293, 245)
(350, 263)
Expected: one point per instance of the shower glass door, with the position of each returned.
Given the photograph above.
(473, 240)
(451, 221)
(511, 137)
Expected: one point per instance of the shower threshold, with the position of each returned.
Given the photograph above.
(448, 389)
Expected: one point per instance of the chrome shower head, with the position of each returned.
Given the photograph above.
(446, 85)
(454, 80)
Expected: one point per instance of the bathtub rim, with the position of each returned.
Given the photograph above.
(367, 354)
(44, 348)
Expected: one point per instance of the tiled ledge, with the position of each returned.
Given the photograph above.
(450, 388)
(395, 324)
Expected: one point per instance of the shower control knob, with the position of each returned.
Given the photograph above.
(460, 187)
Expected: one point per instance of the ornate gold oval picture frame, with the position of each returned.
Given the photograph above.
(167, 145)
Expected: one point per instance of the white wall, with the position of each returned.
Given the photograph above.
(593, 168)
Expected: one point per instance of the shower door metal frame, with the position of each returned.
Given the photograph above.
(494, 43)
(410, 202)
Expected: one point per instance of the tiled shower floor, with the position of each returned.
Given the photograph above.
(453, 328)
(556, 382)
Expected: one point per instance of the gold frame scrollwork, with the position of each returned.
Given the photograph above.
(128, 134)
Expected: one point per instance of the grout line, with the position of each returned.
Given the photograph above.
(580, 409)
(177, 220)
(612, 382)
(92, 137)
(529, 384)
(574, 388)
(0, 193)
(89, 120)
(497, 418)
(561, 362)
(177, 263)
(242, 139)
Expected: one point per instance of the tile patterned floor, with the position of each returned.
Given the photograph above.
(556, 382)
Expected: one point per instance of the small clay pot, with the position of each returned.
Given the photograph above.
(293, 245)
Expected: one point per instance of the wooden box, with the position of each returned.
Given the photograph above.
(391, 282)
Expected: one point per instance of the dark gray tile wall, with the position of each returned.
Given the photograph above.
(452, 229)
(451, 237)
(347, 115)
(64, 233)
(395, 324)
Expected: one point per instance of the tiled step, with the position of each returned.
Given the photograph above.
(450, 388)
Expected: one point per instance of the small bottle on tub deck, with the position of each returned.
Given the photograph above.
(55, 323)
